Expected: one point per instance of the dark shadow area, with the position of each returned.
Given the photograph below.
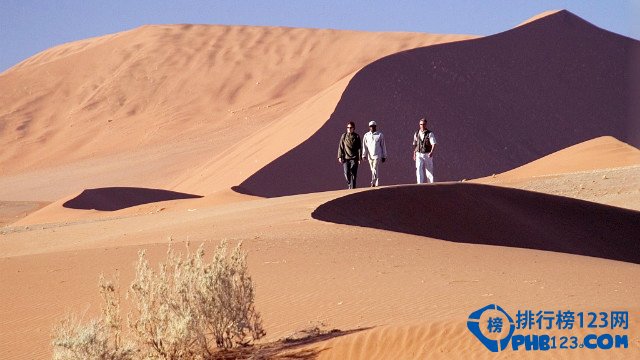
(289, 348)
(489, 215)
(117, 198)
(242, 190)
(494, 103)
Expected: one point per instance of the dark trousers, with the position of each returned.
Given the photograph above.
(350, 172)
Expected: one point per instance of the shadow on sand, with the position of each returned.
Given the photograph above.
(289, 348)
(482, 214)
(118, 198)
(494, 103)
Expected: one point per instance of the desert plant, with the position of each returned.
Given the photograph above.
(165, 321)
(96, 339)
(184, 310)
(189, 305)
(231, 317)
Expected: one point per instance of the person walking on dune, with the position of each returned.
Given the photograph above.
(349, 153)
(374, 150)
(424, 142)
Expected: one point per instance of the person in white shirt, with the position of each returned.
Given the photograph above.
(424, 142)
(374, 150)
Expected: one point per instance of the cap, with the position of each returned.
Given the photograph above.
(372, 123)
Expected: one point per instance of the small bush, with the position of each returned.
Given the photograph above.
(185, 310)
(77, 341)
(96, 339)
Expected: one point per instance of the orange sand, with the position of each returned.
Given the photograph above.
(197, 110)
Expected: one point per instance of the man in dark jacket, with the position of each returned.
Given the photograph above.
(424, 142)
(349, 154)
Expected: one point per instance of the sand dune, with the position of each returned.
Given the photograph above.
(197, 110)
(410, 293)
(167, 100)
(602, 170)
(493, 216)
(436, 340)
(538, 16)
(601, 153)
(12, 211)
(494, 103)
(307, 271)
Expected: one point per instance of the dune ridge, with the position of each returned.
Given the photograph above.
(602, 170)
(494, 103)
(493, 216)
(165, 99)
(594, 154)
(393, 293)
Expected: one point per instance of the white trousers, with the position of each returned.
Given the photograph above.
(374, 165)
(424, 166)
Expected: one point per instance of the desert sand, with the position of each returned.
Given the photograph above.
(181, 133)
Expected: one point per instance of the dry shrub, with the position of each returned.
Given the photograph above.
(96, 339)
(185, 310)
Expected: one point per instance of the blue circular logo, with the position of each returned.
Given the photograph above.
(494, 327)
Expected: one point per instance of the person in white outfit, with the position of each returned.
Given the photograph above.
(374, 150)
(424, 142)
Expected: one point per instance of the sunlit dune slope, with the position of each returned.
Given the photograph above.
(601, 153)
(603, 170)
(398, 269)
(173, 106)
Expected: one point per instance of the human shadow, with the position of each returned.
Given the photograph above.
(118, 198)
(490, 215)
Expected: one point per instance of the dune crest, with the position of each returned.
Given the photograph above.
(168, 112)
(494, 103)
(601, 153)
(539, 16)
(167, 99)
(602, 170)
(493, 216)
